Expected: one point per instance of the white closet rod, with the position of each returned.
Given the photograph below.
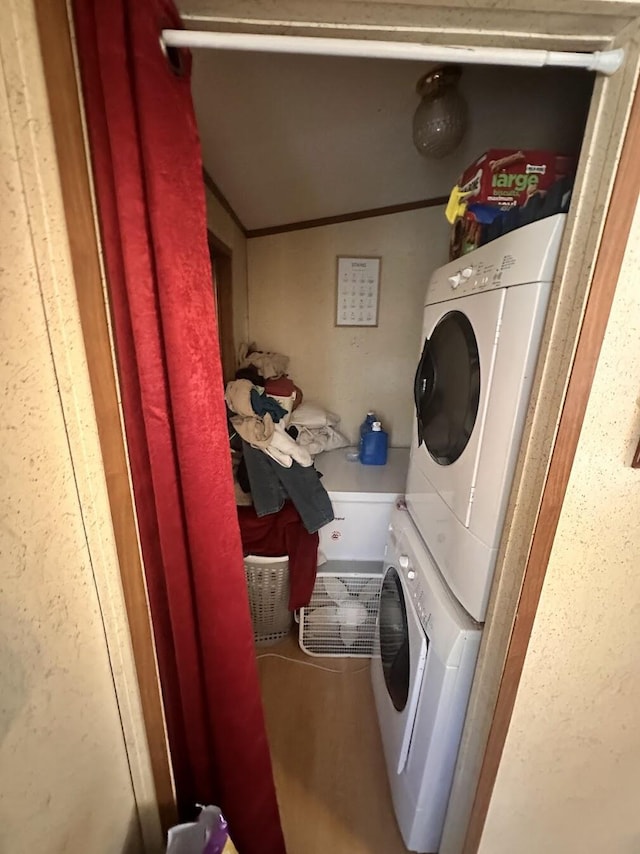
(606, 62)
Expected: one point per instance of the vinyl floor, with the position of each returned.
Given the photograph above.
(327, 755)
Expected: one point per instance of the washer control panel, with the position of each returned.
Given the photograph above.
(415, 588)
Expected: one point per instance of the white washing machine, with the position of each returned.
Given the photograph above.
(481, 334)
(424, 657)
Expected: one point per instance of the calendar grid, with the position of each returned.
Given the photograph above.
(358, 291)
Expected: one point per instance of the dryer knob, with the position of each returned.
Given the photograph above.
(411, 574)
(454, 280)
(467, 272)
(403, 560)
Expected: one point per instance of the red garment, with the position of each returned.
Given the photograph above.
(283, 387)
(278, 534)
(148, 178)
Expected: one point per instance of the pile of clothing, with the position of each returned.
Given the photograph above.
(273, 438)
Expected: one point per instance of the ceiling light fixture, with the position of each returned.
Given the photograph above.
(440, 121)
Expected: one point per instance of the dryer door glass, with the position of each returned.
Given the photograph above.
(447, 388)
(394, 639)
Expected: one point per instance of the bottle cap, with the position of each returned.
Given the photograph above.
(376, 426)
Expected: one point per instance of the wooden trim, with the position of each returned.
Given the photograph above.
(347, 217)
(211, 185)
(369, 213)
(606, 272)
(218, 246)
(222, 268)
(57, 55)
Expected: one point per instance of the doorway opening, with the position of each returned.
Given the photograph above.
(222, 269)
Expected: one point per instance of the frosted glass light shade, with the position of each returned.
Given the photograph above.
(440, 121)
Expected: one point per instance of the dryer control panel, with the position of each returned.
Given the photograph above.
(528, 254)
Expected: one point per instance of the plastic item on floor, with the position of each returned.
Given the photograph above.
(374, 446)
(268, 588)
(340, 619)
(207, 835)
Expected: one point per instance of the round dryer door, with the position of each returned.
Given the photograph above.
(394, 639)
(447, 388)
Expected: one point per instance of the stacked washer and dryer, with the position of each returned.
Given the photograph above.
(483, 322)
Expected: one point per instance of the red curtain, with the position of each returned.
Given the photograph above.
(148, 178)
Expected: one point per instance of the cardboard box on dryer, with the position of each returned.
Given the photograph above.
(499, 180)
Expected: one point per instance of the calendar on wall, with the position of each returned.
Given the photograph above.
(358, 291)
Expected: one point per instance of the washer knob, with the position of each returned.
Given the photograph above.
(411, 574)
(403, 560)
(455, 280)
(467, 272)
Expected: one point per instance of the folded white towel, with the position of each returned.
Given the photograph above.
(318, 439)
(310, 414)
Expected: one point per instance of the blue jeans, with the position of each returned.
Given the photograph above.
(272, 484)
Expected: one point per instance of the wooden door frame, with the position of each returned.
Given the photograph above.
(67, 124)
(57, 51)
(222, 268)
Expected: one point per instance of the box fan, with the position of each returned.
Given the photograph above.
(340, 619)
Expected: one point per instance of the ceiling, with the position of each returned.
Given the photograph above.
(291, 138)
(567, 25)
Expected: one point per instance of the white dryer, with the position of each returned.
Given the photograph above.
(424, 657)
(483, 322)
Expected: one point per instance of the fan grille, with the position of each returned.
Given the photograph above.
(340, 619)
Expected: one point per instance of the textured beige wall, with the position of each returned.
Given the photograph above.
(225, 229)
(292, 294)
(570, 773)
(74, 765)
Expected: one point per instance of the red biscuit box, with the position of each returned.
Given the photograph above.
(503, 179)
(508, 177)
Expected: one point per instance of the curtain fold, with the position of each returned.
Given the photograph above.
(148, 178)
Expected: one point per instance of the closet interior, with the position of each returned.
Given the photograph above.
(310, 164)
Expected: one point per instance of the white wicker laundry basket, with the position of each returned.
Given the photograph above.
(268, 586)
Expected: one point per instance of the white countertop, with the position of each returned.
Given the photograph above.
(353, 481)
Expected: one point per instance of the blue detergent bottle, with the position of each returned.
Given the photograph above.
(365, 427)
(374, 446)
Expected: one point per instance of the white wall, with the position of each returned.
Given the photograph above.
(569, 777)
(292, 297)
(225, 229)
(74, 764)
